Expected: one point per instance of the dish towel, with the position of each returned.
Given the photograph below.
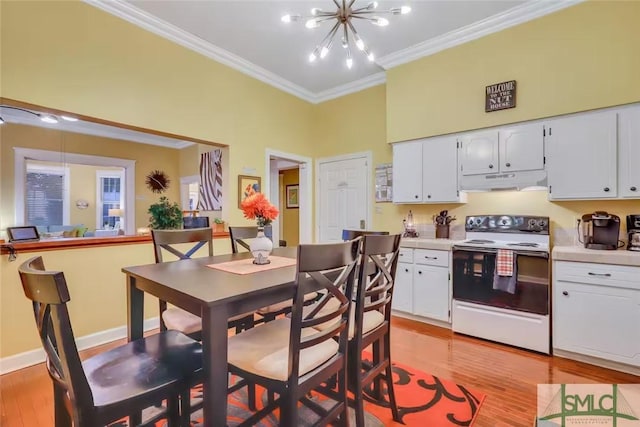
(506, 283)
(504, 262)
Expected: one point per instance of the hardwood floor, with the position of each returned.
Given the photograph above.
(507, 375)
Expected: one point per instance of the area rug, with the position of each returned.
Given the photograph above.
(423, 400)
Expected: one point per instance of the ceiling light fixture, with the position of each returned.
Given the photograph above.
(343, 16)
(47, 118)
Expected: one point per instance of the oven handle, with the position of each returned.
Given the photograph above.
(537, 254)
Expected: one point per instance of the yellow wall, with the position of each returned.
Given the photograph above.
(290, 217)
(579, 58)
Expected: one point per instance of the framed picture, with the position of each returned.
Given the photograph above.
(247, 186)
(292, 196)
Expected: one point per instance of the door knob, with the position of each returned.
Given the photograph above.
(565, 293)
(633, 189)
(606, 189)
(428, 196)
(508, 165)
(490, 166)
(362, 224)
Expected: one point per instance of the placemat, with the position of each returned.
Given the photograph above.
(246, 266)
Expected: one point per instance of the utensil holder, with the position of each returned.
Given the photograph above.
(442, 231)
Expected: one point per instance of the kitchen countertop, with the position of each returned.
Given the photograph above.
(436, 244)
(580, 254)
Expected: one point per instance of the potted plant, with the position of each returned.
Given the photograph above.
(218, 225)
(165, 215)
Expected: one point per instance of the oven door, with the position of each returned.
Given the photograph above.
(475, 278)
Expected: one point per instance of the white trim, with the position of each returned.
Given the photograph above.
(306, 189)
(33, 357)
(177, 35)
(66, 198)
(22, 154)
(368, 156)
(351, 87)
(493, 24)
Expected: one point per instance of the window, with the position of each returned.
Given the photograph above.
(46, 195)
(110, 195)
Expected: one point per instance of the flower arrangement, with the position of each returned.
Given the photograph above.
(258, 207)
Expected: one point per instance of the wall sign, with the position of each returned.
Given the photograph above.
(500, 96)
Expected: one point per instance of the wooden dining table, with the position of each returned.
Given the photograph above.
(215, 296)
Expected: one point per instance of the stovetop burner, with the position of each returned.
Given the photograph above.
(480, 241)
(527, 244)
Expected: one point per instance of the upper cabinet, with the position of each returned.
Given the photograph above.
(511, 149)
(582, 156)
(629, 139)
(425, 171)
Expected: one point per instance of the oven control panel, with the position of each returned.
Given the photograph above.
(508, 223)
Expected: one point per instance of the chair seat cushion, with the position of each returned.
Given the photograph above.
(275, 308)
(187, 323)
(370, 319)
(264, 350)
(142, 366)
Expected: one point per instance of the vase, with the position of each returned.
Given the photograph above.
(442, 231)
(261, 248)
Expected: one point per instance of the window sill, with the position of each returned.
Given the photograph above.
(84, 242)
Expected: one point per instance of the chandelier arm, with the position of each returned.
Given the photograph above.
(337, 4)
(346, 34)
(355, 33)
(330, 34)
(363, 12)
(351, 3)
(364, 18)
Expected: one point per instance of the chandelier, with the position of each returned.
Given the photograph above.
(343, 17)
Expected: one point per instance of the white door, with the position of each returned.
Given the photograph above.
(582, 156)
(440, 170)
(522, 148)
(431, 292)
(629, 128)
(407, 172)
(343, 201)
(479, 153)
(402, 299)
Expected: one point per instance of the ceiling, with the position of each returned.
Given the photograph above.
(249, 35)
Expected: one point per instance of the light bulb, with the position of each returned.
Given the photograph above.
(371, 57)
(315, 11)
(359, 43)
(312, 23)
(380, 22)
(48, 118)
(69, 119)
(372, 5)
(286, 18)
(405, 9)
(324, 51)
(349, 63)
(312, 56)
(345, 43)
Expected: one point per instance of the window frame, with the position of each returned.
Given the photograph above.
(21, 155)
(99, 202)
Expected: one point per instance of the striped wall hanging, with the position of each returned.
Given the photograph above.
(210, 181)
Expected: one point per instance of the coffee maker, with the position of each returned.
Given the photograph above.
(600, 230)
(633, 230)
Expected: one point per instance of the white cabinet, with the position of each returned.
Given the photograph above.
(597, 310)
(425, 171)
(422, 284)
(510, 149)
(582, 156)
(407, 172)
(629, 164)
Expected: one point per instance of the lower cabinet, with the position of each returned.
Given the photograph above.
(422, 283)
(597, 310)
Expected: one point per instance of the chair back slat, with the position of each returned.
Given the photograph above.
(328, 268)
(166, 240)
(354, 234)
(240, 236)
(49, 293)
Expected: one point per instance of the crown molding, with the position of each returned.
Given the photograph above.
(493, 24)
(351, 87)
(177, 35)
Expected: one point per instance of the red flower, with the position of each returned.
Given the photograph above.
(258, 207)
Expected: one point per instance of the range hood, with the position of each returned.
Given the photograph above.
(504, 181)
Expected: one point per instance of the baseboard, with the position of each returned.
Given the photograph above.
(617, 366)
(33, 357)
(409, 316)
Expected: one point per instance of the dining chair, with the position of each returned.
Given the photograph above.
(173, 241)
(239, 239)
(371, 321)
(288, 356)
(115, 384)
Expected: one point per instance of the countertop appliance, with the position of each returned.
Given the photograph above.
(633, 230)
(601, 230)
(515, 309)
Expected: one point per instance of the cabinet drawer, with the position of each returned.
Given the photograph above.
(405, 255)
(598, 274)
(431, 257)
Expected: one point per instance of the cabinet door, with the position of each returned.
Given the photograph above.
(582, 156)
(479, 153)
(440, 170)
(599, 321)
(522, 148)
(431, 292)
(629, 133)
(403, 288)
(407, 172)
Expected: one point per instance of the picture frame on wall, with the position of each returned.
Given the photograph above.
(293, 196)
(247, 186)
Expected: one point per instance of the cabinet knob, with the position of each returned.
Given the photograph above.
(508, 165)
(419, 272)
(428, 196)
(633, 189)
(406, 270)
(416, 196)
(490, 166)
(565, 293)
(606, 189)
